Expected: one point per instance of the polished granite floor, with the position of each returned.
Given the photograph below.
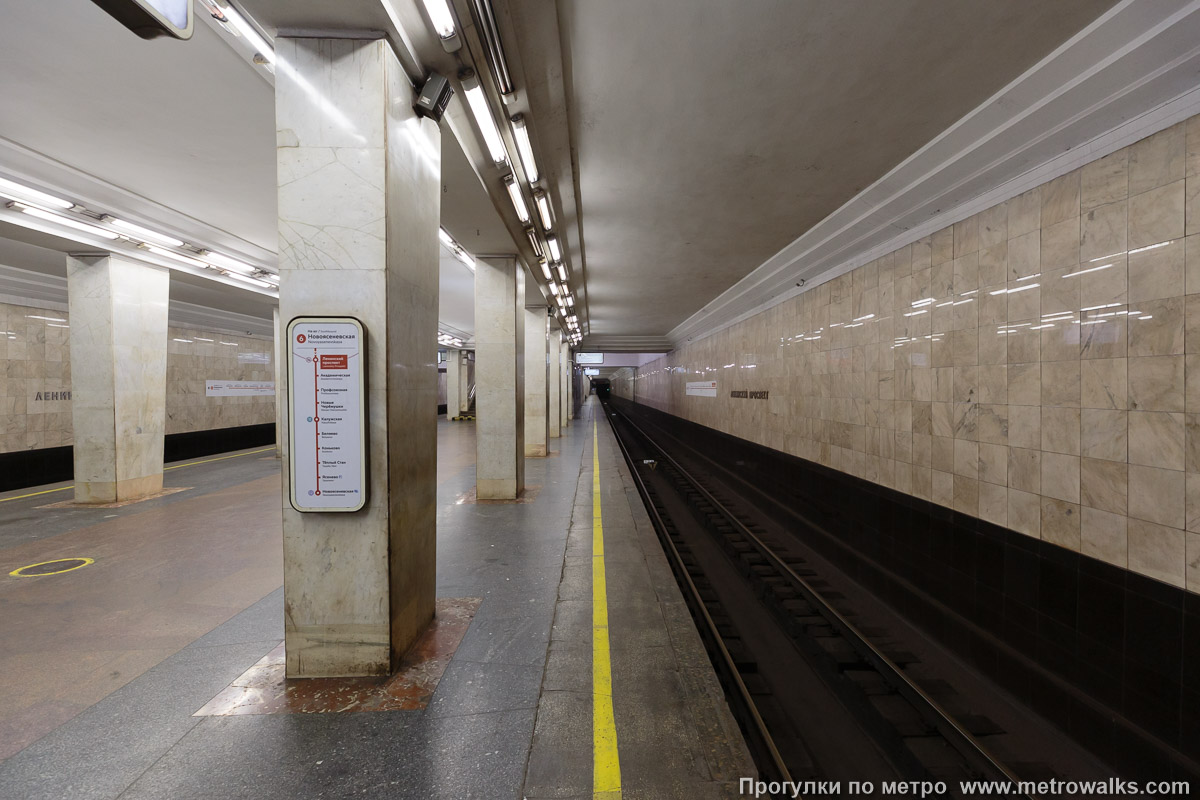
(107, 666)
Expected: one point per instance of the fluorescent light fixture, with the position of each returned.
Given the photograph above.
(546, 271)
(446, 238)
(571, 300)
(543, 207)
(252, 281)
(145, 234)
(1086, 271)
(252, 36)
(534, 243)
(483, 118)
(50, 216)
(518, 200)
(525, 148)
(554, 288)
(562, 272)
(19, 192)
(555, 250)
(231, 264)
(440, 16)
(192, 262)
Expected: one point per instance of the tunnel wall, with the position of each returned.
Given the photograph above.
(35, 391)
(1002, 398)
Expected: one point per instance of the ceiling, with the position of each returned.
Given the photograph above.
(684, 142)
(706, 135)
(179, 135)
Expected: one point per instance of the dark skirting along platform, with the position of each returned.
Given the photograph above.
(1108, 655)
(55, 464)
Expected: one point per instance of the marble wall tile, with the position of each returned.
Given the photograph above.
(1104, 181)
(39, 414)
(1066, 410)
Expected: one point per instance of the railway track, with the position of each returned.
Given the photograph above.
(817, 699)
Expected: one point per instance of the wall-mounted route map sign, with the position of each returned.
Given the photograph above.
(589, 358)
(327, 419)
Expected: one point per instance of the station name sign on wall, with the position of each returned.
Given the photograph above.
(327, 419)
(747, 394)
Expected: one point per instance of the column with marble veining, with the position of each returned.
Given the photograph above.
(359, 208)
(453, 382)
(537, 334)
(118, 342)
(554, 380)
(564, 360)
(277, 353)
(499, 379)
(571, 378)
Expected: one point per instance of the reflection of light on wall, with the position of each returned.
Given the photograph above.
(332, 112)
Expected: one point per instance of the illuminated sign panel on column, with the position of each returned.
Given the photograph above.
(327, 419)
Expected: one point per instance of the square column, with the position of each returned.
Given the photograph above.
(554, 401)
(537, 335)
(359, 207)
(499, 378)
(565, 377)
(279, 353)
(118, 341)
(453, 382)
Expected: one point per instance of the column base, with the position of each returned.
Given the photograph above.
(496, 489)
(536, 451)
(341, 651)
(118, 491)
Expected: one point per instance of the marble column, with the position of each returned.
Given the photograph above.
(554, 401)
(118, 342)
(466, 366)
(571, 378)
(359, 207)
(499, 379)
(278, 351)
(453, 382)
(565, 377)
(537, 334)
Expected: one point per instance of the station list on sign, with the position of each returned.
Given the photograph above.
(327, 424)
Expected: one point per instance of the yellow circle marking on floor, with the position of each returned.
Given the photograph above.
(20, 571)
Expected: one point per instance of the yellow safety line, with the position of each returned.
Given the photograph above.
(220, 458)
(606, 766)
(176, 466)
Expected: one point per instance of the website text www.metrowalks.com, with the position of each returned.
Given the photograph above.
(1111, 787)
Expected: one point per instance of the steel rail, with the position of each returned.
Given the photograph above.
(957, 736)
(756, 720)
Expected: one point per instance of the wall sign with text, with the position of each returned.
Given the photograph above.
(238, 388)
(327, 419)
(702, 388)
